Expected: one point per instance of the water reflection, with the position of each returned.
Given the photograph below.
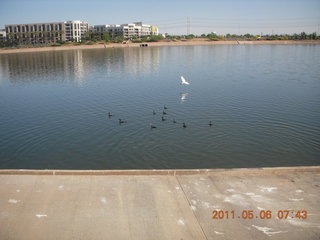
(141, 61)
(183, 97)
(259, 119)
(44, 66)
(4, 71)
(76, 65)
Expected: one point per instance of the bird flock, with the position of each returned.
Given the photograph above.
(164, 112)
(163, 118)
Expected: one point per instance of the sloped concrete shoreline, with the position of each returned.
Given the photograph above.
(169, 172)
(160, 204)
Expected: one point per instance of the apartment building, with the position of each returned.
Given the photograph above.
(136, 29)
(76, 30)
(42, 33)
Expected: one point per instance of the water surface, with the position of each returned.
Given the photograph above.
(263, 102)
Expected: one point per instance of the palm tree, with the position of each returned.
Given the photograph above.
(61, 32)
(28, 34)
(53, 36)
(37, 36)
(19, 34)
(10, 36)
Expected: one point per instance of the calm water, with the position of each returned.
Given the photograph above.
(264, 102)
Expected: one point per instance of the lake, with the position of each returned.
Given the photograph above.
(263, 101)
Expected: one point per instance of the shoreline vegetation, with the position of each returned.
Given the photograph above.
(166, 42)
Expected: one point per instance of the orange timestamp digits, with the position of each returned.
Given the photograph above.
(262, 214)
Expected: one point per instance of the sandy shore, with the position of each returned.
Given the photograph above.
(156, 44)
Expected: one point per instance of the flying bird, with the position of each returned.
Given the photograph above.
(184, 81)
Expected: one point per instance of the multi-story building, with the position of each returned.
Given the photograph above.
(137, 29)
(100, 28)
(115, 30)
(2, 35)
(39, 33)
(76, 30)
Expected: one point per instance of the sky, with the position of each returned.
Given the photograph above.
(174, 16)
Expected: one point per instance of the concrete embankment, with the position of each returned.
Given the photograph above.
(263, 203)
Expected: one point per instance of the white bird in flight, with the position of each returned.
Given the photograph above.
(183, 81)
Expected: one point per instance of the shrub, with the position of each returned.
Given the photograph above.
(55, 44)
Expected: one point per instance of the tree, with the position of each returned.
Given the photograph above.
(106, 36)
(11, 36)
(313, 36)
(303, 36)
(19, 34)
(212, 35)
(248, 35)
(190, 36)
(53, 36)
(118, 39)
(154, 38)
(28, 37)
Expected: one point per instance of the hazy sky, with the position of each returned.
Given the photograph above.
(223, 16)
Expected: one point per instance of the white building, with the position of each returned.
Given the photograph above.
(99, 28)
(115, 30)
(75, 30)
(39, 33)
(137, 29)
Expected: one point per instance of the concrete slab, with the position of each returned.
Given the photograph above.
(168, 204)
(260, 194)
(95, 207)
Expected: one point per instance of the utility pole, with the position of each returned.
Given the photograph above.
(188, 26)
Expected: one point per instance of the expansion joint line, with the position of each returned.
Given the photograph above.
(184, 194)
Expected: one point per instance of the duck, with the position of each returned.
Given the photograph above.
(164, 107)
(174, 121)
(109, 114)
(162, 118)
(154, 113)
(184, 125)
(152, 126)
(121, 121)
(164, 113)
(210, 123)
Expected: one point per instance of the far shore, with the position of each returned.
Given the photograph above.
(193, 42)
